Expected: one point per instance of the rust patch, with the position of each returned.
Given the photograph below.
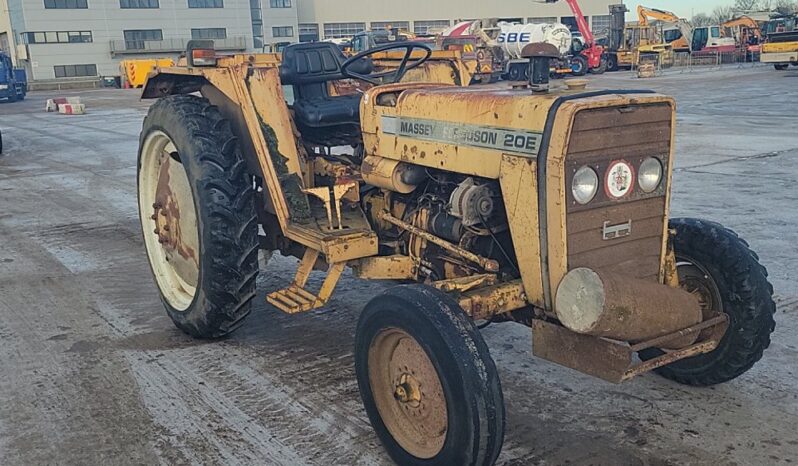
(167, 215)
(290, 183)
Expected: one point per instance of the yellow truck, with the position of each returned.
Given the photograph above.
(781, 49)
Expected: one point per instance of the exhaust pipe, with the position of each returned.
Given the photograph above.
(540, 55)
(606, 304)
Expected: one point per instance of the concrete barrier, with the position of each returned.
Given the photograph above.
(72, 109)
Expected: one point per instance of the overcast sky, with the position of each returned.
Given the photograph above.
(683, 8)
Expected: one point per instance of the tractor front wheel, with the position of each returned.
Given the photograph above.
(197, 210)
(717, 267)
(428, 383)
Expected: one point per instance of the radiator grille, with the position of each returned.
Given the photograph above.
(599, 137)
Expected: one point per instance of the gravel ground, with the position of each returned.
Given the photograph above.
(93, 372)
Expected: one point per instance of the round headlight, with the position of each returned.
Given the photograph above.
(585, 185)
(650, 174)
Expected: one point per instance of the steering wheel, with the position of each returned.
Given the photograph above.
(390, 76)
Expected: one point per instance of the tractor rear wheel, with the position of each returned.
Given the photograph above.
(427, 380)
(716, 266)
(197, 210)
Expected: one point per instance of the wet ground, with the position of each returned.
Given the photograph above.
(93, 372)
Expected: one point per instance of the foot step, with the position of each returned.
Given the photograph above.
(293, 300)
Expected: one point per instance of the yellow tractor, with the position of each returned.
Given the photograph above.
(521, 203)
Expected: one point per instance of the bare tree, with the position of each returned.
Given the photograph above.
(721, 14)
(785, 6)
(746, 5)
(701, 19)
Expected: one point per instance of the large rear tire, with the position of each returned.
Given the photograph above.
(718, 267)
(427, 380)
(197, 210)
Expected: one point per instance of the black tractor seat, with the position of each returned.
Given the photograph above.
(322, 119)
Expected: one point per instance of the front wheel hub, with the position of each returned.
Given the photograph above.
(408, 393)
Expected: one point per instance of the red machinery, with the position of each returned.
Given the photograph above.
(593, 53)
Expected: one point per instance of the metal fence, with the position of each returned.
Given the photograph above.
(687, 61)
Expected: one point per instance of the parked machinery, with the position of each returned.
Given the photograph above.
(628, 43)
(746, 33)
(13, 81)
(683, 36)
(544, 207)
(592, 55)
(781, 46)
(512, 38)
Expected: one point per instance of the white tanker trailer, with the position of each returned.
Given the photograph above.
(512, 38)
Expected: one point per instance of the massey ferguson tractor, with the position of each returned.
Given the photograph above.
(520, 203)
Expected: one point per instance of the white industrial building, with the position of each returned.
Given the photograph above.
(63, 39)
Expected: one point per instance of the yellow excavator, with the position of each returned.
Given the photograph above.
(629, 42)
(683, 36)
(680, 38)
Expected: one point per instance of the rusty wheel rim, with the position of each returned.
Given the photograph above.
(697, 281)
(169, 220)
(408, 393)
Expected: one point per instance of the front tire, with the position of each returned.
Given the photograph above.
(603, 66)
(578, 65)
(612, 62)
(428, 383)
(719, 268)
(197, 210)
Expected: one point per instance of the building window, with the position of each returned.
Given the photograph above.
(396, 25)
(543, 20)
(283, 31)
(74, 71)
(308, 32)
(341, 30)
(280, 3)
(66, 4)
(570, 21)
(209, 33)
(136, 38)
(206, 3)
(138, 4)
(430, 27)
(600, 24)
(57, 37)
(257, 24)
